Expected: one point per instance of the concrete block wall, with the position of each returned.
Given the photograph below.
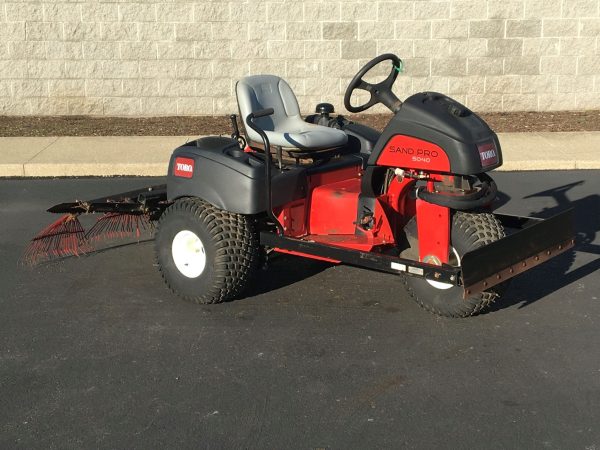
(171, 57)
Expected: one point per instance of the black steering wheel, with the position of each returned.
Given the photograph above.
(380, 92)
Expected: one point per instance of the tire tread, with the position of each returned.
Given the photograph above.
(479, 229)
(236, 249)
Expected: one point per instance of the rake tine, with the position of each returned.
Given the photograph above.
(118, 225)
(64, 237)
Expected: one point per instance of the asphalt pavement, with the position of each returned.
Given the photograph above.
(96, 353)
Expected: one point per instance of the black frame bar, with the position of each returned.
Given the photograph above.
(368, 260)
(141, 201)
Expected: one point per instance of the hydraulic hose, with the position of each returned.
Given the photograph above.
(483, 196)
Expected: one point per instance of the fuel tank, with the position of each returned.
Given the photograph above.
(435, 133)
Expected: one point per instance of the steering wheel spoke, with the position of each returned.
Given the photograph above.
(389, 81)
(363, 85)
(372, 101)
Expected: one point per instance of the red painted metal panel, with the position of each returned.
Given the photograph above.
(333, 207)
(412, 153)
(292, 217)
(397, 204)
(433, 228)
(354, 241)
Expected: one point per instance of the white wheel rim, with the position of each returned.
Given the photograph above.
(453, 261)
(188, 254)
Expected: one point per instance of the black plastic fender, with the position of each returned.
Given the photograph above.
(216, 170)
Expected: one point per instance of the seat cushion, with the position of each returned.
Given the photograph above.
(309, 137)
(285, 127)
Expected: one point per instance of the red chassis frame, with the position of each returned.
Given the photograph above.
(327, 215)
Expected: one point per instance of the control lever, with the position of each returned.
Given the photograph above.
(236, 132)
(269, 197)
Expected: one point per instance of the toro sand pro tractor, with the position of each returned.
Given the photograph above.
(415, 200)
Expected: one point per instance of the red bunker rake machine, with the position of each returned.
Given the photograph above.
(414, 200)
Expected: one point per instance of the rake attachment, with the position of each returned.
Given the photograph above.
(65, 237)
(119, 225)
(127, 214)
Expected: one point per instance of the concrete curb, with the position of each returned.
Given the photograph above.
(149, 155)
(550, 151)
(87, 156)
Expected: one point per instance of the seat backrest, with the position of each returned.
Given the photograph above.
(258, 92)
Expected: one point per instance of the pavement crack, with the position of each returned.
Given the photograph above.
(38, 153)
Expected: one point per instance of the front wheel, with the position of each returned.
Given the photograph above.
(468, 232)
(205, 254)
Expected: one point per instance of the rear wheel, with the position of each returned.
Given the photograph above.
(205, 254)
(468, 232)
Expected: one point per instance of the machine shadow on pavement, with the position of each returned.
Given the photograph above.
(542, 281)
(283, 270)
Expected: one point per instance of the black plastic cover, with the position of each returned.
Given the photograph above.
(230, 179)
(324, 108)
(361, 137)
(445, 122)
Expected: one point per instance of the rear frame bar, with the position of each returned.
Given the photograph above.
(368, 260)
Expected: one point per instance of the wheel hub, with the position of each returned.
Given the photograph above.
(454, 260)
(188, 254)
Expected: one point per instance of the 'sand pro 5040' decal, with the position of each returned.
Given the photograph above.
(413, 153)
